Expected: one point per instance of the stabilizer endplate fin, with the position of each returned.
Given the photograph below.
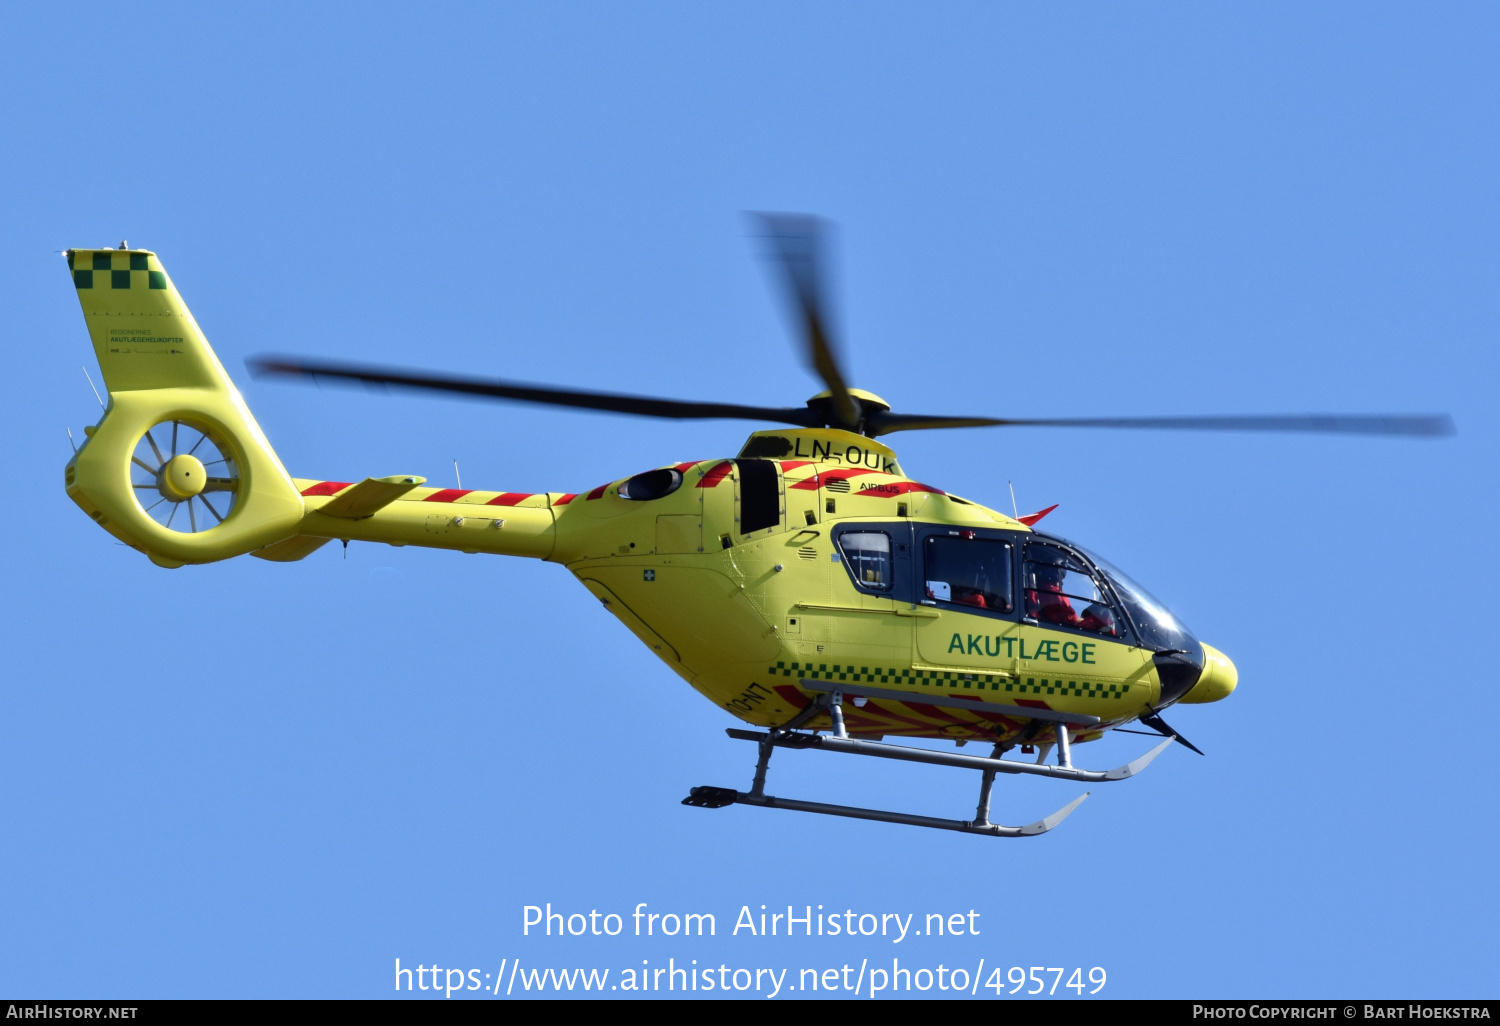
(369, 497)
(292, 549)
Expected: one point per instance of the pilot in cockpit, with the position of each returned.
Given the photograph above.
(1046, 602)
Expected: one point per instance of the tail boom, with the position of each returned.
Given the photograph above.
(500, 523)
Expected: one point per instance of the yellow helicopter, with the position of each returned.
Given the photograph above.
(806, 585)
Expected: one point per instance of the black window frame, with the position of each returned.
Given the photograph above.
(900, 533)
(919, 575)
(1127, 635)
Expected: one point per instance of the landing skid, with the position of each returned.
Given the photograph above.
(788, 736)
(718, 797)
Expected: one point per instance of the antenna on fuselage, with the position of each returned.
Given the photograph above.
(1013, 508)
(90, 378)
(459, 480)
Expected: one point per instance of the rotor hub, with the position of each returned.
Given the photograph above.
(865, 403)
(181, 477)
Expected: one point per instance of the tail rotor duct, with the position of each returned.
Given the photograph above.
(183, 478)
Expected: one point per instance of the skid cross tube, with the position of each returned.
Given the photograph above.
(831, 700)
(986, 784)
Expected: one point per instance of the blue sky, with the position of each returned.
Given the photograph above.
(253, 779)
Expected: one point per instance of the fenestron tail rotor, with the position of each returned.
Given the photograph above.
(182, 478)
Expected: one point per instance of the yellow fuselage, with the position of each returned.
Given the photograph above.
(735, 575)
(745, 618)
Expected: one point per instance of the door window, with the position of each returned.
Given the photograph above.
(1061, 590)
(973, 572)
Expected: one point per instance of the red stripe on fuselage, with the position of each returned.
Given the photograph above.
(564, 500)
(510, 498)
(890, 491)
(448, 494)
(831, 475)
(717, 474)
(798, 701)
(596, 492)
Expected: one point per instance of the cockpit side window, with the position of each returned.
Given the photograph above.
(1155, 626)
(1061, 590)
(970, 571)
(868, 556)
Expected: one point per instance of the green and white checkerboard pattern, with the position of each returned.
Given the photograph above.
(1075, 688)
(114, 269)
(951, 680)
(881, 675)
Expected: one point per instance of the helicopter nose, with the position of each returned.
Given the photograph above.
(1217, 680)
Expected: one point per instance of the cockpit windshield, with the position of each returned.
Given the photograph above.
(1159, 629)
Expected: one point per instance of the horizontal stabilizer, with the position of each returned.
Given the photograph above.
(369, 497)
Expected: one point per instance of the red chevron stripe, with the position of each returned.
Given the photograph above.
(796, 699)
(448, 494)
(942, 715)
(890, 491)
(896, 716)
(717, 474)
(596, 492)
(831, 475)
(326, 487)
(510, 498)
(565, 499)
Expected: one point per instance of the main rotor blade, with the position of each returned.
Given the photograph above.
(640, 406)
(796, 242)
(1421, 426)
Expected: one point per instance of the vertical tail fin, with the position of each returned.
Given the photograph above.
(178, 467)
